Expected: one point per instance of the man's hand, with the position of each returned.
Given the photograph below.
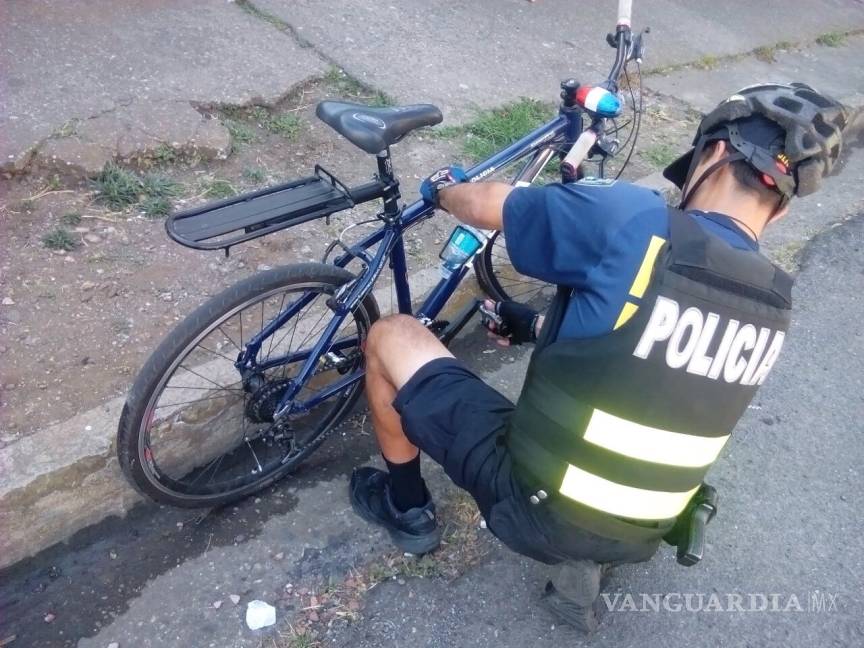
(510, 322)
(445, 177)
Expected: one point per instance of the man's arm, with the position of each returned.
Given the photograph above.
(479, 204)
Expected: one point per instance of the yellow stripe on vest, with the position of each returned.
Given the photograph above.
(640, 283)
(624, 501)
(652, 444)
(626, 313)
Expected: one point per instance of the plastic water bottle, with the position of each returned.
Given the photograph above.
(463, 244)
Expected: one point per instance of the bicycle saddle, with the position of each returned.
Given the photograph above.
(374, 129)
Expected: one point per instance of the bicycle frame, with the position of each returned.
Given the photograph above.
(541, 144)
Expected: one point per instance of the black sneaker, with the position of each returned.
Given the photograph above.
(575, 600)
(413, 531)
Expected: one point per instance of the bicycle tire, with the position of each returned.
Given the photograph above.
(130, 450)
(495, 287)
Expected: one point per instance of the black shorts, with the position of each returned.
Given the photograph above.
(459, 421)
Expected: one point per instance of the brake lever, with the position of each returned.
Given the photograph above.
(637, 50)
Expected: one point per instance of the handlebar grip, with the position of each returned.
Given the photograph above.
(625, 11)
(579, 151)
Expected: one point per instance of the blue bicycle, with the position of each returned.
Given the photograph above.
(253, 381)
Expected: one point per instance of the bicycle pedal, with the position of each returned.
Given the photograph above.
(438, 326)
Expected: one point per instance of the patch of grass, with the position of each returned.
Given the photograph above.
(59, 239)
(252, 10)
(255, 174)
(787, 256)
(164, 154)
(54, 183)
(659, 155)
(446, 132)
(160, 186)
(303, 640)
(344, 84)
(707, 62)
(217, 188)
(156, 206)
(71, 218)
(116, 187)
(831, 39)
(765, 54)
(286, 125)
(500, 127)
(240, 133)
(68, 129)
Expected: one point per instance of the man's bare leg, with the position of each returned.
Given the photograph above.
(396, 348)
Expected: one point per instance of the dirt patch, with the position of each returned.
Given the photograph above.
(321, 610)
(77, 321)
(89, 291)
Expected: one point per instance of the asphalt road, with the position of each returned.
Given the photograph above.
(788, 524)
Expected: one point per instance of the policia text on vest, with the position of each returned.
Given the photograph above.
(690, 334)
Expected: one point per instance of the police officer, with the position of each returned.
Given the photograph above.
(665, 323)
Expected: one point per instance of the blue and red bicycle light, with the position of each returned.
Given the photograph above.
(599, 101)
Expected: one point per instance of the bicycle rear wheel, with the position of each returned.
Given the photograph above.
(502, 282)
(193, 435)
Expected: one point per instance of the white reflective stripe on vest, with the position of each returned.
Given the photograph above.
(624, 501)
(652, 444)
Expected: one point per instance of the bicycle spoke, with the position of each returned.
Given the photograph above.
(228, 389)
(303, 312)
(216, 469)
(219, 328)
(278, 312)
(207, 379)
(216, 353)
(192, 402)
(526, 292)
(217, 461)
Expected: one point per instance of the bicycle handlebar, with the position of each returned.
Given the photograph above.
(622, 41)
(586, 140)
(625, 11)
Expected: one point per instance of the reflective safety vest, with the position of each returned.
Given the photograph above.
(618, 431)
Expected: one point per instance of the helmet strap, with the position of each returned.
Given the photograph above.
(691, 191)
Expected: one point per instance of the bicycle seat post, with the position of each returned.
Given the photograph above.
(391, 193)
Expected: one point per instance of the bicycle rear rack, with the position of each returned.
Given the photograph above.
(222, 224)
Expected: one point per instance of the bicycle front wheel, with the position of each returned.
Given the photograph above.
(502, 282)
(192, 434)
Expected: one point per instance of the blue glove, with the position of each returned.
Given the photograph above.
(445, 177)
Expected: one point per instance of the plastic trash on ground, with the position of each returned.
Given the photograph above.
(260, 615)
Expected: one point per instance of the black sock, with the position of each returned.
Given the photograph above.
(406, 484)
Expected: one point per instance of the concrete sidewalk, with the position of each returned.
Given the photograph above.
(468, 55)
(86, 82)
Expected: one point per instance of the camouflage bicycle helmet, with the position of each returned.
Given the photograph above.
(791, 134)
